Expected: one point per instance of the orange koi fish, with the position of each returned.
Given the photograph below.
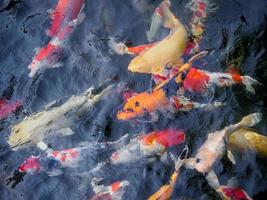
(165, 192)
(114, 191)
(65, 17)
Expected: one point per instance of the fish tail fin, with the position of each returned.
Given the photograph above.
(249, 82)
(169, 20)
(250, 120)
(209, 106)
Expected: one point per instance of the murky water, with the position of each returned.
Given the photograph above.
(235, 34)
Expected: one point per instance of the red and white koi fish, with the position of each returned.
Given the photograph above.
(114, 191)
(53, 162)
(227, 192)
(233, 193)
(8, 107)
(146, 146)
(65, 17)
(143, 148)
(199, 80)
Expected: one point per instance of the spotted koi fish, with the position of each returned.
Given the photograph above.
(66, 16)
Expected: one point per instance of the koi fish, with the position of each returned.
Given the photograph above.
(163, 98)
(56, 121)
(244, 140)
(199, 80)
(147, 146)
(142, 148)
(8, 107)
(214, 147)
(165, 192)
(200, 10)
(66, 16)
(168, 51)
(53, 162)
(114, 191)
(227, 192)
(233, 193)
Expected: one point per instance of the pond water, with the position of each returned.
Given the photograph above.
(235, 33)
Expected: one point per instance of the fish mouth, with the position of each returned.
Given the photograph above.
(20, 143)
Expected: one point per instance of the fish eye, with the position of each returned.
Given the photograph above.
(198, 160)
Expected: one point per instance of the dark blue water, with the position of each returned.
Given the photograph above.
(88, 60)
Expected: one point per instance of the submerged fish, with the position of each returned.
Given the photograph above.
(215, 146)
(115, 191)
(199, 80)
(213, 150)
(67, 15)
(8, 107)
(144, 148)
(227, 192)
(166, 52)
(164, 97)
(147, 146)
(244, 140)
(53, 162)
(52, 122)
(165, 192)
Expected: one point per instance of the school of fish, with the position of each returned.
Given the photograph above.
(172, 78)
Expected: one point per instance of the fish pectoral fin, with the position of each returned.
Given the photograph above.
(56, 65)
(66, 131)
(231, 157)
(55, 172)
(43, 146)
(212, 180)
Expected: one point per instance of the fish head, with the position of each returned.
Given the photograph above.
(19, 138)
